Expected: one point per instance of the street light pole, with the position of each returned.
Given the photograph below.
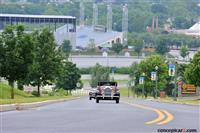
(156, 68)
(143, 74)
(128, 91)
(133, 84)
(175, 78)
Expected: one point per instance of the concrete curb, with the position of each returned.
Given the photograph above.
(24, 106)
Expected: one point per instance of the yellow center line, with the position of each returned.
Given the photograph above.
(169, 118)
(160, 113)
(160, 117)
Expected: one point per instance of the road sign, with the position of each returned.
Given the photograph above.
(141, 80)
(188, 89)
(153, 76)
(172, 69)
(78, 84)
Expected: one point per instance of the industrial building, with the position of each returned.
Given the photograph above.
(87, 34)
(65, 27)
(68, 30)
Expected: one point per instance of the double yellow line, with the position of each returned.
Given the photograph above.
(163, 115)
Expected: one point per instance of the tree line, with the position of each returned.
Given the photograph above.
(188, 73)
(35, 59)
(161, 43)
(180, 14)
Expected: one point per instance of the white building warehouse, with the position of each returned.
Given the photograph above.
(100, 38)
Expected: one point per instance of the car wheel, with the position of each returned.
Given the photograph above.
(117, 100)
(90, 98)
(97, 100)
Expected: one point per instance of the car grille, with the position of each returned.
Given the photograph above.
(107, 92)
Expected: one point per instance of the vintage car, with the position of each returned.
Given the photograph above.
(107, 91)
(92, 93)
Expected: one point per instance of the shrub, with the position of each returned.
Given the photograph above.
(45, 92)
(35, 93)
(85, 70)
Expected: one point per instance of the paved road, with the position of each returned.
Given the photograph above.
(84, 116)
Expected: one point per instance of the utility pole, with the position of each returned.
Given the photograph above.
(175, 80)
(156, 68)
(82, 14)
(109, 17)
(125, 24)
(95, 14)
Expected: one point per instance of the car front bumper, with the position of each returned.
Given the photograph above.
(102, 97)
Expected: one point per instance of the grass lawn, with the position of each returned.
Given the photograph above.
(5, 92)
(32, 99)
(22, 97)
(124, 92)
(85, 81)
(196, 102)
(170, 99)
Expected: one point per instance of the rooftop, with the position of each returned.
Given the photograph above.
(195, 27)
(84, 34)
(36, 16)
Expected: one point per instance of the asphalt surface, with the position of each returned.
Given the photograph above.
(84, 116)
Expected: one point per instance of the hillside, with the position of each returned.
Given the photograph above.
(5, 92)
(179, 13)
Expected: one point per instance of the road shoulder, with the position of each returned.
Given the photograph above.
(23, 106)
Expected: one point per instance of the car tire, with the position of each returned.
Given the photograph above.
(117, 100)
(97, 100)
(90, 98)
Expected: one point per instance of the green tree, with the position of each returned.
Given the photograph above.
(2, 53)
(181, 68)
(162, 46)
(69, 77)
(91, 45)
(134, 75)
(192, 72)
(138, 45)
(147, 66)
(117, 47)
(184, 51)
(47, 60)
(17, 55)
(66, 48)
(181, 22)
(149, 39)
(158, 8)
(99, 73)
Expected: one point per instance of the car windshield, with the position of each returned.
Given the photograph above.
(107, 84)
